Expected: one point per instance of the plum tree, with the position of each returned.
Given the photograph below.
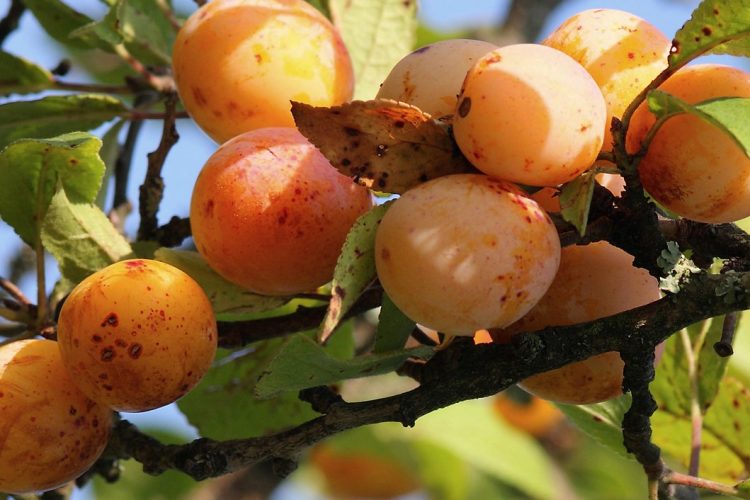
(50, 431)
(450, 274)
(621, 51)
(238, 63)
(706, 178)
(594, 281)
(413, 79)
(137, 335)
(566, 128)
(270, 213)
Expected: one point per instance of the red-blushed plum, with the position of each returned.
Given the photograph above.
(692, 167)
(238, 63)
(621, 51)
(50, 431)
(137, 335)
(594, 281)
(466, 252)
(269, 212)
(530, 114)
(430, 78)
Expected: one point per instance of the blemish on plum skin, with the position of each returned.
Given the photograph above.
(135, 351)
(134, 264)
(464, 107)
(96, 338)
(107, 354)
(110, 320)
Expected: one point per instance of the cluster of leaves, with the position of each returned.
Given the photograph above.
(52, 174)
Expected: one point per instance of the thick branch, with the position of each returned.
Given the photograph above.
(460, 372)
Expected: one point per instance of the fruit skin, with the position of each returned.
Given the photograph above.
(465, 252)
(593, 281)
(137, 335)
(413, 79)
(536, 416)
(692, 168)
(513, 121)
(238, 63)
(51, 433)
(361, 475)
(270, 213)
(621, 51)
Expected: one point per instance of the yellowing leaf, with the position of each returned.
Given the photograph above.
(387, 145)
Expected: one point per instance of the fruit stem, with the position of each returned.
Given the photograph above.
(697, 482)
(724, 346)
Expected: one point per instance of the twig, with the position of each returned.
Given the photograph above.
(162, 84)
(728, 328)
(149, 115)
(174, 232)
(9, 23)
(696, 482)
(240, 333)
(696, 416)
(152, 189)
(14, 291)
(125, 156)
(200, 3)
(166, 8)
(26, 334)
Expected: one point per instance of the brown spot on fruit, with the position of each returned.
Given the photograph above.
(110, 320)
(200, 99)
(135, 351)
(107, 354)
(464, 107)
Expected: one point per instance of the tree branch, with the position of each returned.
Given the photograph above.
(9, 23)
(460, 372)
(152, 189)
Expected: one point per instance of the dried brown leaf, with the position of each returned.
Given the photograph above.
(386, 145)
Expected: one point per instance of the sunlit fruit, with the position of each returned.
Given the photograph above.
(238, 63)
(623, 53)
(270, 213)
(465, 252)
(137, 335)
(593, 281)
(693, 168)
(530, 114)
(356, 474)
(430, 78)
(50, 432)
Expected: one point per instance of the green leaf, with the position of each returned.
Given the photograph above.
(471, 430)
(141, 25)
(725, 439)
(672, 388)
(301, 363)
(743, 488)
(19, 76)
(715, 27)
(378, 33)
(394, 327)
(739, 362)
(729, 114)
(54, 115)
(222, 405)
(30, 170)
(602, 421)
(355, 269)
(575, 199)
(225, 297)
(81, 237)
(59, 20)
